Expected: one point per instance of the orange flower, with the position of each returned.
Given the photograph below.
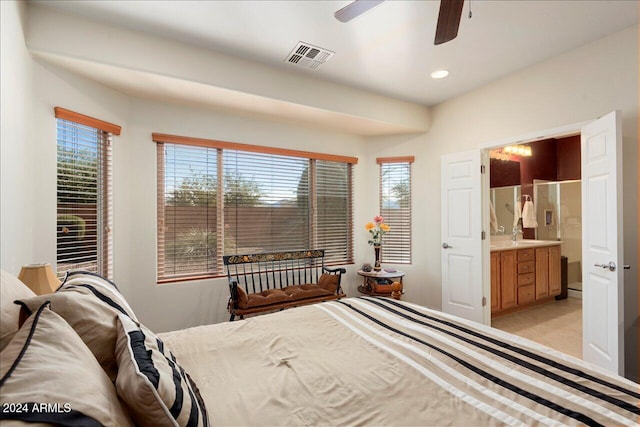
(377, 228)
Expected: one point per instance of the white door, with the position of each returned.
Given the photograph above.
(602, 278)
(461, 244)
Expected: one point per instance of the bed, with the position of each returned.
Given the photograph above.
(359, 361)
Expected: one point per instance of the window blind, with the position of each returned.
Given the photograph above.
(334, 210)
(84, 199)
(247, 201)
(266, 202)
(187, 210)
(395, 207)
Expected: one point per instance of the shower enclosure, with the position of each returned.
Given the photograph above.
(559, 213)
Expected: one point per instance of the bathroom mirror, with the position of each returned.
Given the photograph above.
(504, 200)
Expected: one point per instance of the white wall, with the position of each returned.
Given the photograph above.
(579, 85)
(17, 165)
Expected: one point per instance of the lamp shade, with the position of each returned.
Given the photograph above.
(40, 278)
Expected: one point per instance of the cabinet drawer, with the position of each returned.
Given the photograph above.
(526, 294)
(526, 279)
(526, 255)
(526, 267)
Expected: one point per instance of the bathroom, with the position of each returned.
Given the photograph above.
(536, 261)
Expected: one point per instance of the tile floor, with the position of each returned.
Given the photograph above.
(557, 325)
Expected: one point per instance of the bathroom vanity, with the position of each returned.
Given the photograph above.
(523, 273)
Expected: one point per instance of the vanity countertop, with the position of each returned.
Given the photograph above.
(508, 244)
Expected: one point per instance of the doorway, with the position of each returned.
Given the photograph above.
(465, 185)
(528, 300)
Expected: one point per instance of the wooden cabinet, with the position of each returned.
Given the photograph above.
(555, 281)
(526, 275)
(526, 294)
(520, 277)
(547, 271)
(508, 279)
(525, 255)
(542, 272)
(495, 282)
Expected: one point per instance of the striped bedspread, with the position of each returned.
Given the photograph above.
(376, 361)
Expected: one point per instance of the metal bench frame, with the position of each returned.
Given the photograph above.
(276, 270)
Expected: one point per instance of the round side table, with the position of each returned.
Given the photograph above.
(382, 283)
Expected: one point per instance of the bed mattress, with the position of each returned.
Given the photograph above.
(376, 361)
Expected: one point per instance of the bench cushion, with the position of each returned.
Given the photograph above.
(274, 296)
(329, 282)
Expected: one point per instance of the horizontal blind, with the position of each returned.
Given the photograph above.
(84, 199)
(187, 211)
(395, 207)
(334, 210)
(214, 200)
(266, 202)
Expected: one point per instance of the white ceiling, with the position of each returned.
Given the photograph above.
(389, 50)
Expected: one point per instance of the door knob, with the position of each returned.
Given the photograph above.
(611, 266)
(445, 245)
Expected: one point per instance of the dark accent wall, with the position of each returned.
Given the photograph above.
(541, 165)
(568, 154)
(504, 173)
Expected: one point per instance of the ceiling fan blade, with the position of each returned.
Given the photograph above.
(355, 9)
(448, 20)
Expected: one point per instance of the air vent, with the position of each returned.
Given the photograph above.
(308, 56)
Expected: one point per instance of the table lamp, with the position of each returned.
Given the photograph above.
(40, 278)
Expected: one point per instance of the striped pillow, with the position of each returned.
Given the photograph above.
(154, 386)
(90, 304)
(49, 376)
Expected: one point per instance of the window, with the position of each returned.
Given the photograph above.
(395, 207)
(84, 199)
(220, 198)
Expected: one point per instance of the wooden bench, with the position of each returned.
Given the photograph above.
(275, 281)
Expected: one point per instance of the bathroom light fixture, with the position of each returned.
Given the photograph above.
(519, 150)
(439, 74)
(511, 152)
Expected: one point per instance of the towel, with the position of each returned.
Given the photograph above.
(492, 217)
(529, 215)
(516, 214)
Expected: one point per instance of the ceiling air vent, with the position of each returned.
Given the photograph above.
(308, 56)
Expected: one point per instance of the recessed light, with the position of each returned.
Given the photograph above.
(439, 74)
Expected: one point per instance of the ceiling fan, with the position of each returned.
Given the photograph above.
(448, 17)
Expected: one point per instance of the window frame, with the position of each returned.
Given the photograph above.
(221, 146)
(104, 189)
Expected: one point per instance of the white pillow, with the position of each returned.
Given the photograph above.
(90, 304)
(46, 362)
(11, 289)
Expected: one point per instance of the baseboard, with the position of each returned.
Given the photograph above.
(574, 294)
